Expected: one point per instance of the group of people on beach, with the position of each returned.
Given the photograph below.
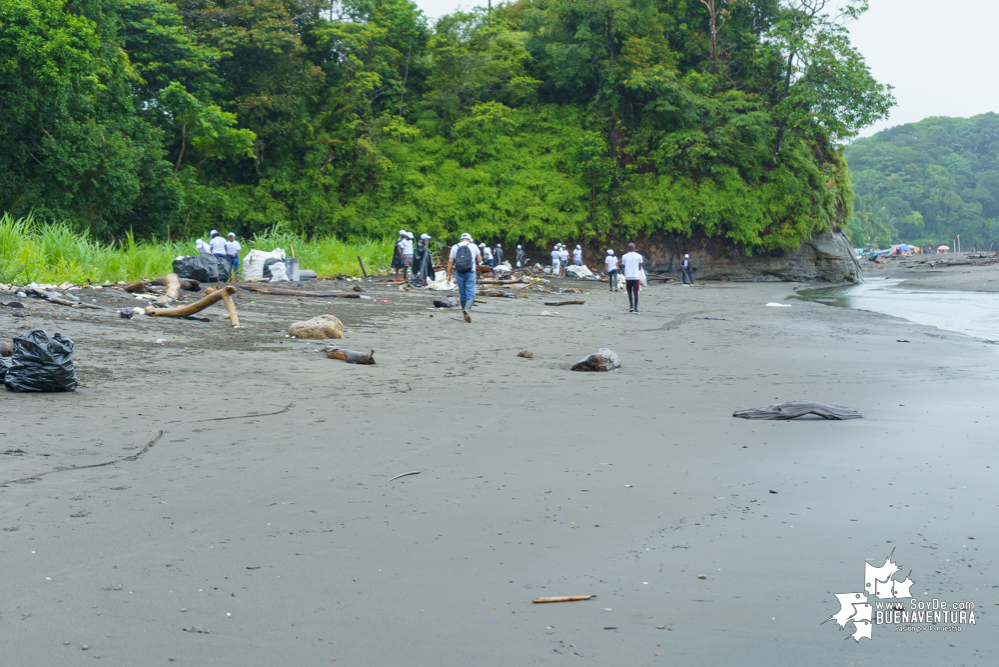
(227, 249)
(560, 258)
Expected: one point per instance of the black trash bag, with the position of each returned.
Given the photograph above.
(223, 266)
(4, 367)
(41, 363)
(267, 265)
(203, 267)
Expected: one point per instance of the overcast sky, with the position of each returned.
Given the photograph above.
(939, 54)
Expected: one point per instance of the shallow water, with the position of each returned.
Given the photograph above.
(971, 313)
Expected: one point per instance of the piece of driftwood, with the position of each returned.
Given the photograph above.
(185, 283)
(230, 306)
(564, 303)
(526, 354)
(563, 598)
(794, 409)
(501, 294)
(602, 360)
(136, 288)
(294, 292)
(52, 297)
(195, 307)
(350, 356)
(447, 302)
(172, 286)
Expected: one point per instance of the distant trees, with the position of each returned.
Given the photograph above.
(935, 179)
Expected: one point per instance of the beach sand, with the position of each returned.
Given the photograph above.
(277, 531)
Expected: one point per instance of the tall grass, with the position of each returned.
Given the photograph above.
(31, 251)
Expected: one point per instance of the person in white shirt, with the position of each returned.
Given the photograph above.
(611, 264)
(463, 270)
(232, 248)
(397, 260)
(201, 247)
(556, 260)
(565, 258)
(217, 245)
(487, 254)
(685, 268)
(632, 276)
(407, 254)
(577, 256)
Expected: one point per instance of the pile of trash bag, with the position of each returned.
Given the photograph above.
(40, 363)
(204, 268)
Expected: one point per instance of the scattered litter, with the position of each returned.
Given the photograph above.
(252, 567)
(772, 491)
(286, 502)
(602, 360)
(447, 302)
(196, 629)
(901, 341)
(18, 313)
(778, 305)
(321, 327)
(605, 464)
(661, 627)
(41, 363)
(161, 340)
(350, 356)
(793, 409)
(405, 474)
(565, 598)
(525, 354)
(702, 576)
(574, 271)
(383, 301)
(545, 313)
(628, 486)
(126, 313)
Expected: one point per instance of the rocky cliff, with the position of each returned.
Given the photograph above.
(827, 257)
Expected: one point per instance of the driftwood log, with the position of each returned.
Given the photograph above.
(564, 303)
(195, 307)
(230, 306)
(350, 356)
(501, 294)
(563, 598)
(293, 292)
(185, 283)
(602, 360)
(53, 297)
(794, 409)
(173, 286)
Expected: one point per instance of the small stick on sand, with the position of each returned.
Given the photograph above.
(564, 598)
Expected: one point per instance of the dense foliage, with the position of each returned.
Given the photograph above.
(928, 182)
(537, 120)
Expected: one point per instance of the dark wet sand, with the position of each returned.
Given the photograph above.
(513, 501)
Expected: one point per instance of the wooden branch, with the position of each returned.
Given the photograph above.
(292, 292)
(195, 307)
(563, 598)
(231, 307)
(173, 286)
(564, 303)
(350, 356)
(793, 409)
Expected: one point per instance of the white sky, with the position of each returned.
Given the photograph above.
(939, 54)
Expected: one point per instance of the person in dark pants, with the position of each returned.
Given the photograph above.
(685, 268)
(632, 276)
(497, 255)
(611, 264)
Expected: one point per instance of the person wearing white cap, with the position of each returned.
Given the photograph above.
(487, 254)
(232, 248)
(423, 262)
(564, 257)
(556, 260)
(397, 259)
(497, 255)
(520, 256)
(611, 263)
(217, 244)
(686, 271)
(201, 247)
(461, 263)
(577, 255)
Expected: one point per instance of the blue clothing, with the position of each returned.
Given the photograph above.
(466, 287)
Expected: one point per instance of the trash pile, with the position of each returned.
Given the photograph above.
(39, 363)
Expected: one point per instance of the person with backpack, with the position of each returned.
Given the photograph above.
(686, 271)
(461, 265)
(632, 276)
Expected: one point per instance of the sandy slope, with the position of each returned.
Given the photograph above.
(513, 501)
